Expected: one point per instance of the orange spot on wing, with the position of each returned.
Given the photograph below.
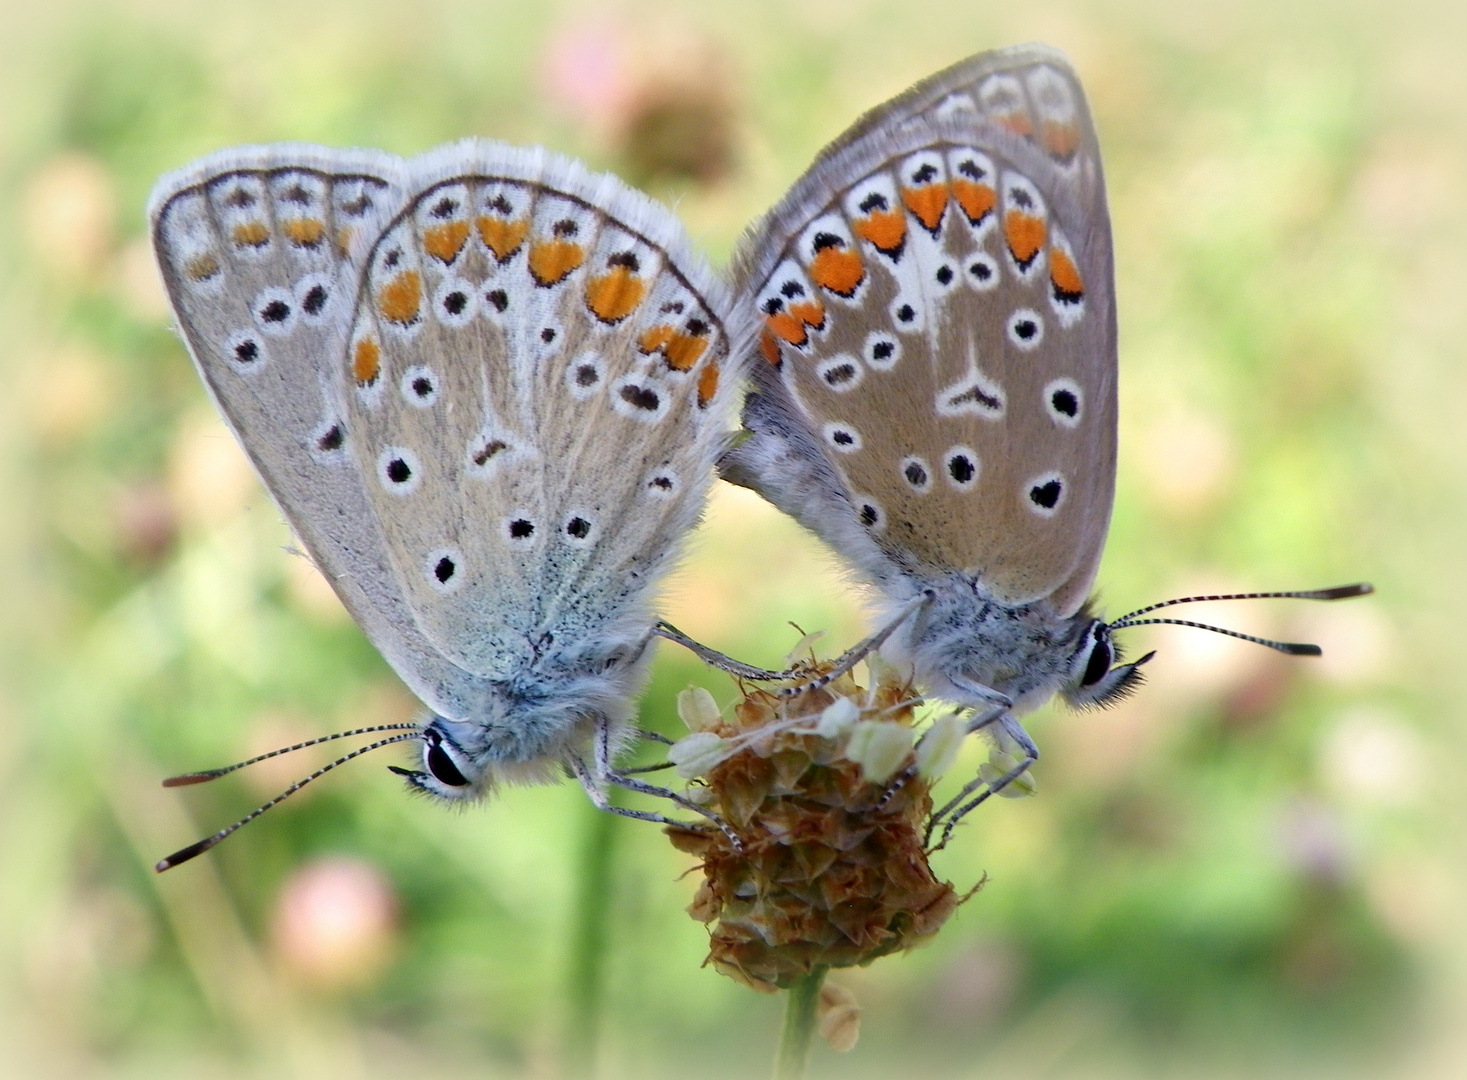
(1025, 235)
(885, 229)
(615, 294)
(445, 241)
(303, 232)
(343, 239)
(551, 261)
(810, 312)
(400, 298)
(1016, 121)
(977, 200)
(201, 267)
(837, 269)
(1060, 138)
(501, 236)
(769, 347)
(1064, 275)
(787, 326)
(681, 351)
(707, 383)
(366, 362)
(250, 234)
(927, 203)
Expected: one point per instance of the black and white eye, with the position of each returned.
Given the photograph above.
(419, 387)
(438, 762)
(1099, 661)
(1097, 678)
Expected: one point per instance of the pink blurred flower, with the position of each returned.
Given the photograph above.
(335, 923)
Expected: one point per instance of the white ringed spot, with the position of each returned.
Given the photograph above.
(1065, 402)
(1045, 494)
(1025, 329)
(961, 467)
(419, 386)
(842, 438)
(397, 470)
(444, 569)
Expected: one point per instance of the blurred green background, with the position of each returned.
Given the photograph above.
(1255, 867)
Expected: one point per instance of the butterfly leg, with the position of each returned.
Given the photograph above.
(714, 658)
(605, 773)
(1010, 729)
(858, 652)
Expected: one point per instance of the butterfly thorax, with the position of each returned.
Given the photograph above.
(965, 642)
(528, 726)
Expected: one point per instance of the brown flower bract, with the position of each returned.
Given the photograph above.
(824, 877)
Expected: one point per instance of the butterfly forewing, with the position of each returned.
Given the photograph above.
(260, 250)
(533, 364)
(938, 307)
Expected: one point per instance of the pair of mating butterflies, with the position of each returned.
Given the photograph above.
(489, 390)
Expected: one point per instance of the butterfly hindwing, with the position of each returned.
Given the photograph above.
(260, 249)
(939, 328)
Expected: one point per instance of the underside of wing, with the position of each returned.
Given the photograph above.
(939, 330)
(537, 382)
(260, 249)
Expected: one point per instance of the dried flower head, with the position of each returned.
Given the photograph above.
(828, 794)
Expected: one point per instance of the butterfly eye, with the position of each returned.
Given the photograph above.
(440, 764)
(1099, 662)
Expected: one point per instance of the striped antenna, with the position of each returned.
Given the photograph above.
(214, 774)
(185, 854)
(1290, 648)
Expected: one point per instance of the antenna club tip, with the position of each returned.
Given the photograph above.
(188, 778)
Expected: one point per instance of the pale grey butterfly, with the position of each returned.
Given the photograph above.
(487, 389)
(936, 397)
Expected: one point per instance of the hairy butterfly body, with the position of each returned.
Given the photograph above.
(935, 393)
(486, 388)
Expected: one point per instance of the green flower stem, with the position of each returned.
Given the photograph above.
(799, 1026)
(585, 968)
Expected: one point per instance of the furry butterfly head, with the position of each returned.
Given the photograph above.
(486, 388)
